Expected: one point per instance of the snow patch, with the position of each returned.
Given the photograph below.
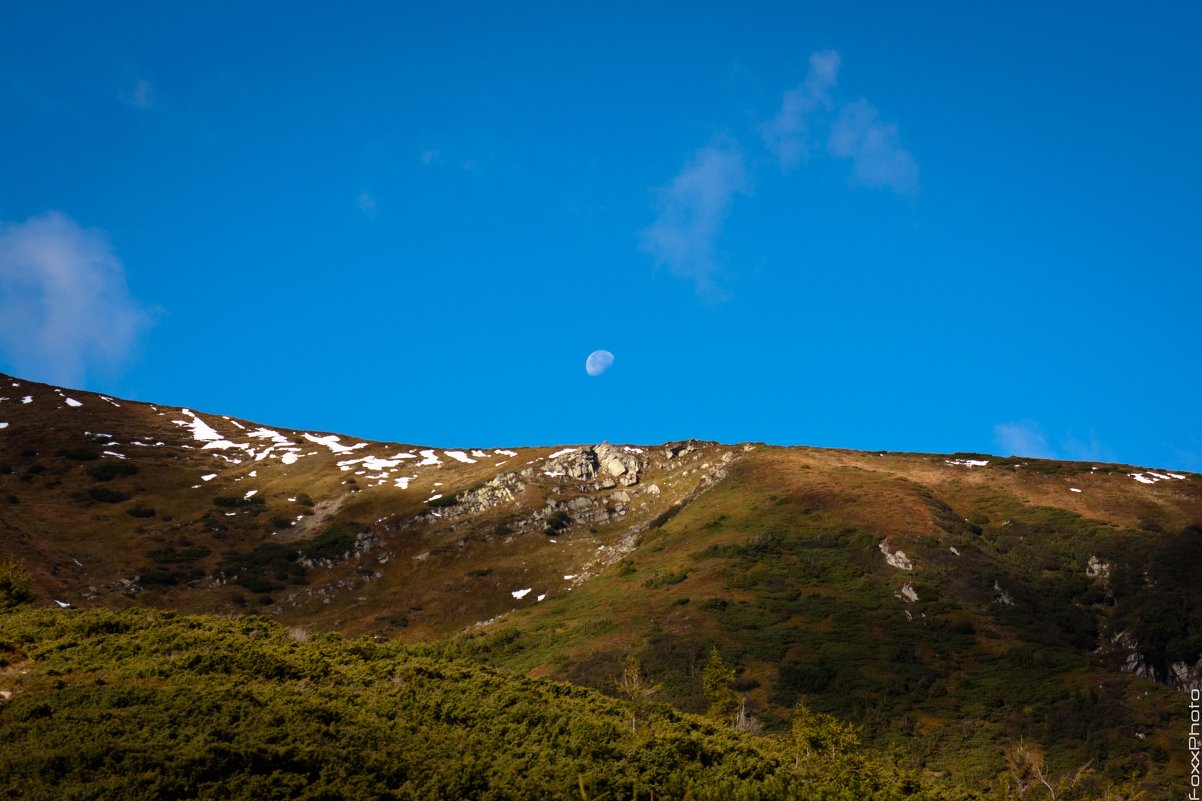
(27, 398)
(967, 462)
(332, 441)
(505, 453)
(209, 477)
(1073, 489)
(73, 403)
(520, 594)
(201, 431)
(564, 452)
(3, 425)
(428, 458)
(460, 456)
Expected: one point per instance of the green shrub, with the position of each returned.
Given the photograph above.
(335, 541)
(557, 522)
(106, 495)
(16, 585)
(107, 471)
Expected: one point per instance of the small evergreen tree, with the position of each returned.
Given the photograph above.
(634, 686)
(819, 734)
(716, 679)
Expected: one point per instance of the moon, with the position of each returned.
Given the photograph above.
(598, 362)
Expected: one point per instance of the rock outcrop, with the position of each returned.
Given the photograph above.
(603, 465)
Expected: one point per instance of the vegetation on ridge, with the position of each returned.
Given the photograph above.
(149, 705)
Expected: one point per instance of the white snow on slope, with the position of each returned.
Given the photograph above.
(967, 462)
(520, 594)
(73, 402)
(332, 442)
(201, 431)
(460, 456)
(564, 452)
(428, 458)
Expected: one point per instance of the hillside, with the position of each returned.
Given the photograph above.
(950, 605)
(151, 705)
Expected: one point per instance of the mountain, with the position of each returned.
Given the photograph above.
(952, 606)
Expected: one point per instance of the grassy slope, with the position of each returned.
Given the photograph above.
(148, 705)
(783, 572)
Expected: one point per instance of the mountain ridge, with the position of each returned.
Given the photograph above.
(908, 593)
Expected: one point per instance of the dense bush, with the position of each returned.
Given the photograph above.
(107, 471)
(334, 542)
(106, 495)
(159, 706)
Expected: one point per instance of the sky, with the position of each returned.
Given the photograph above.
(931, 227)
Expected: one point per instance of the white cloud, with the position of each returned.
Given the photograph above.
(786, 134)
(878, 159)
(1022, 439)
(64, 304)
(692, 211)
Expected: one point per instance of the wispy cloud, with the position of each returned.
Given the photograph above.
(1087, 450)
(856, 132)
(877, 157)
(1022, 439)
(64, 305)
(786, 135)
(366, 203)
(692, 211)
(142, 95)
(693, 208)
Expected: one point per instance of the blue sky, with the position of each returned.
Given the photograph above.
(918, 227)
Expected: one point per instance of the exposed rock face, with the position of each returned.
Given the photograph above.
(504, 488)
(897, 559)
(1179, 675)
(1096, 568)
(610, 465)
(909, 593)
(618, 464)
